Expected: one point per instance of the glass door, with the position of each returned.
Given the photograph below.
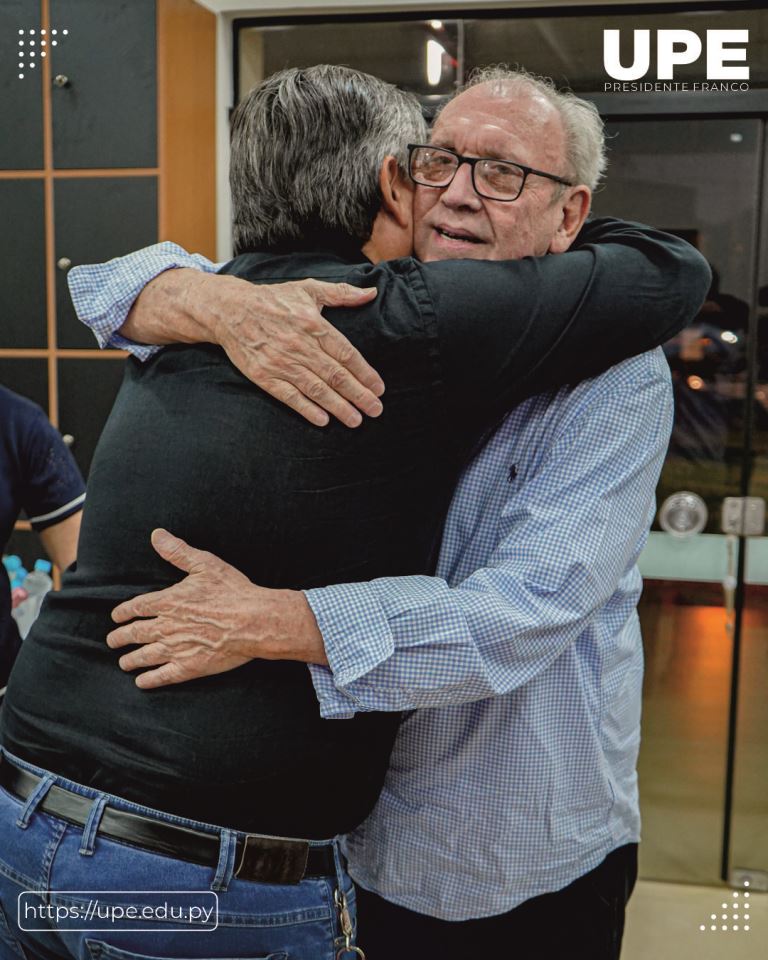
(748, 838)
(704, 611)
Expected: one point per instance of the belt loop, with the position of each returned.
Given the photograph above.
(341, 873)
(37, 795)
(226, 865)
(92, 826)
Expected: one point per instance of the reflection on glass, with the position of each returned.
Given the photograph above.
(708, 360)
(759, 474)
(685, 730)
(570, 48)
(669, 173)
(429, 57)
(749, 844)
(420, 56)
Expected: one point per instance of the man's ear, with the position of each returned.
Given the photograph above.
(575, 208)
(396, 193)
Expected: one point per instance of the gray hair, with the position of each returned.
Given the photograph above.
(307, 149)
(584, 134)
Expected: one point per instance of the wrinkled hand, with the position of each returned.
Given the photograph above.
(277, 337)
(212, 621)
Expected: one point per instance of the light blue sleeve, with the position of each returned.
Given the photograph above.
(103, 293)
(574, 530)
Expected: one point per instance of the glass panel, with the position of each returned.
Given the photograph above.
(570, 48)
(684, 731)
(749, 841)
(420, 56)
(749, 838)
(567, 48)
(671, 174)
(759, 464)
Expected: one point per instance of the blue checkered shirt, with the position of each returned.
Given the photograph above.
(521, 660)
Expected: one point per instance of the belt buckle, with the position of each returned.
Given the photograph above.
(272, 859)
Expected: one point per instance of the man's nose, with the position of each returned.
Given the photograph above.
(460, 192)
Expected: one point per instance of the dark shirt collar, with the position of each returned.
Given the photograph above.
(327, 243)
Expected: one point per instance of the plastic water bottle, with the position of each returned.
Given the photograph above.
(40, 575)
(37, 584)
(12, 563)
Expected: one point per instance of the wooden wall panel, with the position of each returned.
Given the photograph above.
(187, 122)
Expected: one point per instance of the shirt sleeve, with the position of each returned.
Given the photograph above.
(575, 529)
(53, 487)
(509, 330)
(103, 293)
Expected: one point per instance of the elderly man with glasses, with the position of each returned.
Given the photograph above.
(432, 166)
(509, 809)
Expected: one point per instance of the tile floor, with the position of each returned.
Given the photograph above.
(664, 920)
(682, 766)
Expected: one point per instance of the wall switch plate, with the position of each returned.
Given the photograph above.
(743, 516)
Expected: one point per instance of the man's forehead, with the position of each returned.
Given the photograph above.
(498, 121)
(480, 131)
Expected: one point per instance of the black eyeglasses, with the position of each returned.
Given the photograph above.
(492, 179)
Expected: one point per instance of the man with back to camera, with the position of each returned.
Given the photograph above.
(658, 257)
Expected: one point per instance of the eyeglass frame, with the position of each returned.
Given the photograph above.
(473, 161)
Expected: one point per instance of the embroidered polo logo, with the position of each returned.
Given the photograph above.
(512, 472)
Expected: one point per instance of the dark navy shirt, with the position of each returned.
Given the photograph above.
(192, 446)
(37, 475)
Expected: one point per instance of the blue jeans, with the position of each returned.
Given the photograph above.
(81, 868)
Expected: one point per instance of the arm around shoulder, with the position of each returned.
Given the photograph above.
(511, 329)
(104, 293)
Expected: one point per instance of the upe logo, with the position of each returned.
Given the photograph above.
(676, 48)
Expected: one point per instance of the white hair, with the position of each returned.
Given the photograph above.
(584, 134)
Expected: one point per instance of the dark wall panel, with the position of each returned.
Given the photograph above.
(106, 116)
(87, 390)
(21, 105)
(96, 220)
(26, 377)
(22, 254)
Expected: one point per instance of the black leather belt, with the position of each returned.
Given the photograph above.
(260, 859)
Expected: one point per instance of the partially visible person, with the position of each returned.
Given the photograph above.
(37, 475)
